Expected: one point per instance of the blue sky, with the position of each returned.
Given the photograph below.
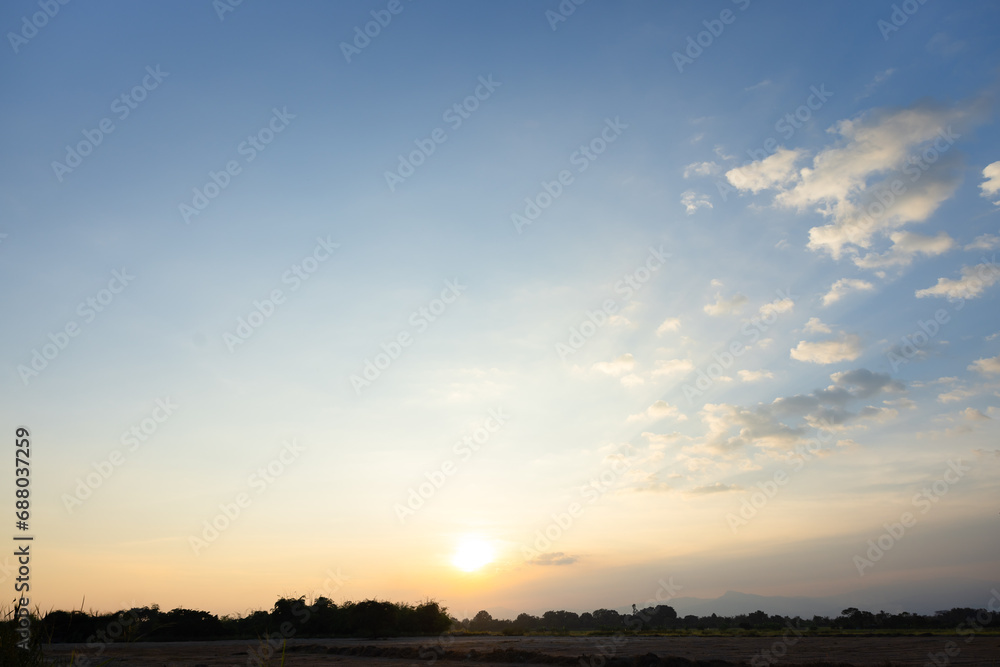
(810, 187)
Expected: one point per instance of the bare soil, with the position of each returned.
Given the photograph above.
(899, 651)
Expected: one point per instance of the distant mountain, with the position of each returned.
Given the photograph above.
(924, 598)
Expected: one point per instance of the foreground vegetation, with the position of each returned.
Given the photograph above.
(374, 618)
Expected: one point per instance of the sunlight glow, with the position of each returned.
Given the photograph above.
(473, 553)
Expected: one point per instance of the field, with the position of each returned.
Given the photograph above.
(870, 650)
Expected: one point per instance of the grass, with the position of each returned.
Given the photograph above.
(10, 652)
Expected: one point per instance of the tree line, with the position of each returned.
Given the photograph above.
(291, 617)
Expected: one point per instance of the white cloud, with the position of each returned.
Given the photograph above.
(722, 306)
(845, 348)
(673, 367)
(691, 201)
(991, 181)
(814, 325)
(621, 365)
(848, 181)
(843, 287)
(972, 414)
(974, 281)
(669, 324)
(658, 410)
(761, 84)
(776, 307)
(618, 320)
(701, 169)
(984, 242)
(773, 171)
(879, 79)
(988, 366)
(755, 376)
(956, 395)
(906, 246)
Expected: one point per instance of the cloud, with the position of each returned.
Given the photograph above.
(553, 558)
(773, 171)
(956, 395)
(879, 79)
(845, 348)
(652, 483)
(863, 383)
(845, 286)
(658, 410)
(974, 281)
(672, 367)
(669, 324)
(722, 306)
(814, 325)
(755, 376)
(693, 201)
(701, 169)
(761, 84)
(661, 440)
(776, 307)
(619, 366)
(906, 246)
(864, 181)
(989, 366)
(718, 487)
(991, 181)
(972, 414)
(943, 45)
(984, 242)
(903, 403)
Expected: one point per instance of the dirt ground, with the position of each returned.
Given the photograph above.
(566, 651)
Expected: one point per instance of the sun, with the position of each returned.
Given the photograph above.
(473, 552)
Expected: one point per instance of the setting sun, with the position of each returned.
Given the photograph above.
(472, 553)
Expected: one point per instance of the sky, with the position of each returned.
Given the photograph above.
(515, 306)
